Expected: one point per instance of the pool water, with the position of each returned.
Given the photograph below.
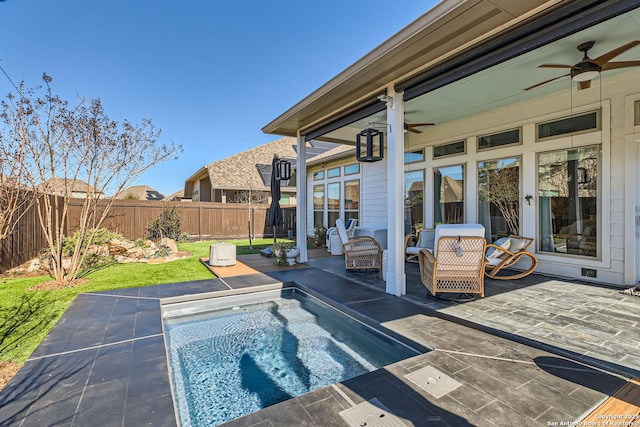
(233, 356)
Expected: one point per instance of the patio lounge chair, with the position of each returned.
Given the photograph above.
(457, 262)
(333, 231)
(413, 243)
(359, 252)
(506, 253)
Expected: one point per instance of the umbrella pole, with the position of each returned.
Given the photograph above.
(274, 234)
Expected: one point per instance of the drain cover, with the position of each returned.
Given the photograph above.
(370, 414)
(433, 381)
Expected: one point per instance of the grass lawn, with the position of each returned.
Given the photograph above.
(27, 316)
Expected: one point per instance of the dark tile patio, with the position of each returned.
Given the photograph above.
(104, 363)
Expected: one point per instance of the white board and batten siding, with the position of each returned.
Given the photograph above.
(373, 190)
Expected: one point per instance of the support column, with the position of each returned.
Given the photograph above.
(301, 196)
(396, 277)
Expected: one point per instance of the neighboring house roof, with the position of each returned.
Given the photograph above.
(177, 195)
(451, 190)
(241, 170)
(139, 192)
(416, 186)
(62, 185)
(252, 168)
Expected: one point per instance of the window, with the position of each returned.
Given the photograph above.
(499, 197)
(333, 173)
(318, 175)
(448, 194)
(414, 156)
(499, 139)
(459, 147)
(333, 203)
(318, 205)
(568, 201)
(351, 199)
(413, 201)
(581, 123)
(352, 169)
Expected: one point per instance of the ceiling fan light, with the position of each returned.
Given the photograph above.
(585, 76)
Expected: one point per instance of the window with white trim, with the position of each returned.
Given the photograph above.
(448, 194)
(318, 205)
(568, 201)
(500, 139)
(352, 199)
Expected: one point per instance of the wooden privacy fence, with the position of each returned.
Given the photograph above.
(201, 220)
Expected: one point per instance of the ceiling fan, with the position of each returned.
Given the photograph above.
(411, 127)
(588, 68)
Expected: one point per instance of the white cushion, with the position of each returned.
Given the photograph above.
(471, 230)
(426, 238)
(493, 261)
(342, 231)
(505, 245)
(516, 244)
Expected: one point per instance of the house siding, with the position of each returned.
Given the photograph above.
(374, 193)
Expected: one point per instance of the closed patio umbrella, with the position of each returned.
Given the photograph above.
(275, 217)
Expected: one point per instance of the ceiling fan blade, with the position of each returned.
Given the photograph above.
(545, 82)
(584, 85)
(411, 127)
(555, 66)
(621, 64)
(600, 60)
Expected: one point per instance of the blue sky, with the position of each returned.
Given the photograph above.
(209, 73)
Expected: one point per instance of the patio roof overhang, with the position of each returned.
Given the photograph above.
(450, 42)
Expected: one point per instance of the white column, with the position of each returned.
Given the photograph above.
(301, 203)
(632, 209)
(396, 277)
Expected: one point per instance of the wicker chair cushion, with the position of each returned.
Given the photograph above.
(504, 245)
(426, 239)
(470, 230)
(516, 245)
(342, 231)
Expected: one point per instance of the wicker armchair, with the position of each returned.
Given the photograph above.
(457, 262)
(359, 252)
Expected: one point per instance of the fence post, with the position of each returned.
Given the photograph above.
(199, 222)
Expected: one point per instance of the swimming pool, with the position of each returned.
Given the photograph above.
(231, 356)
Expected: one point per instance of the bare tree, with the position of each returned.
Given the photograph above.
(75, 143)
(250, 196)
(502, 191)
(15, 199)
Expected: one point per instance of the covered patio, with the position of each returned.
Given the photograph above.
(488, 97)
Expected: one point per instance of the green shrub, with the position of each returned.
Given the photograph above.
(141, 243)
(279, 250)
(167, 224)
(100, 237)
(320, 235)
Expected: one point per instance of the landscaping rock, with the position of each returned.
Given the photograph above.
(170, 243)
